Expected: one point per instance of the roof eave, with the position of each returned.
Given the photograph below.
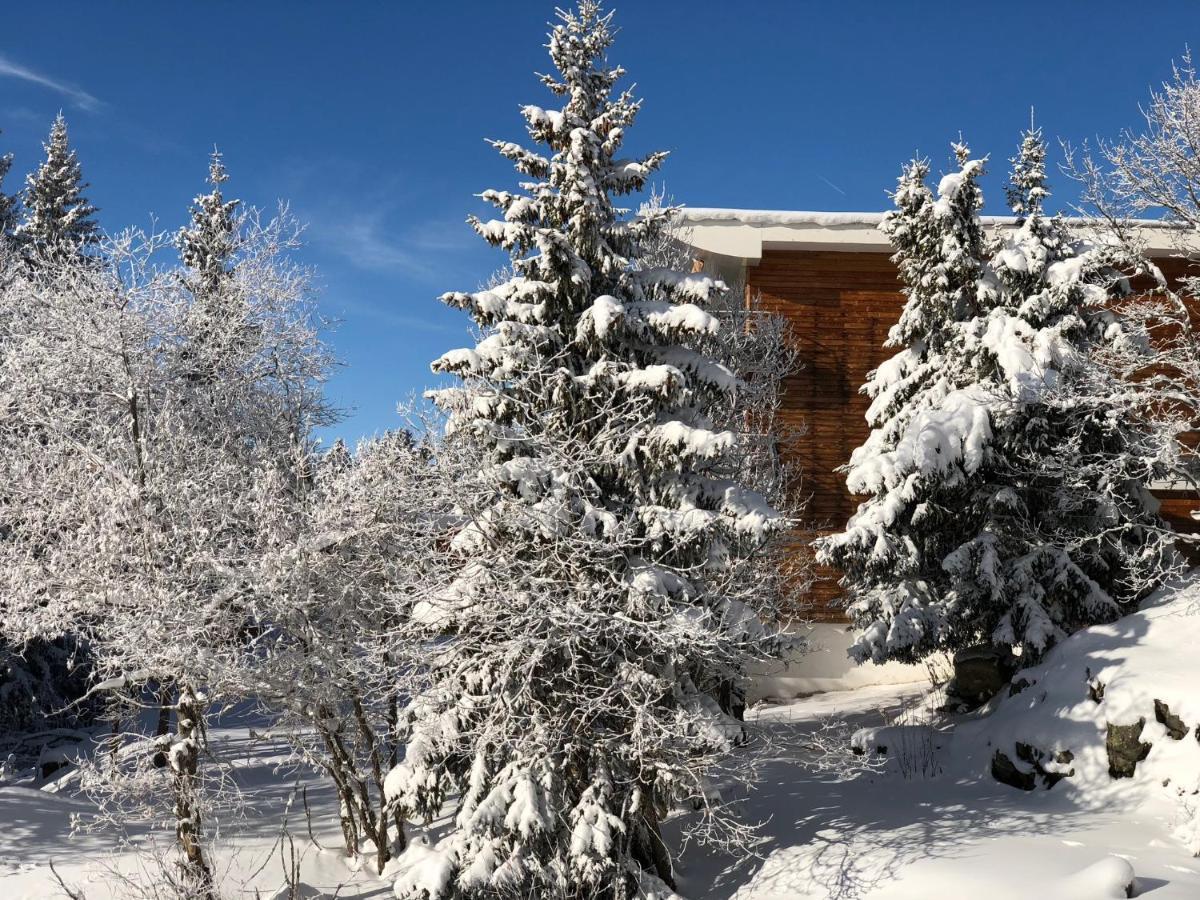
(743, 234)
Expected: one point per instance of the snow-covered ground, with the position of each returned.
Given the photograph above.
(35, 830)
(912, 830)
(884, 836)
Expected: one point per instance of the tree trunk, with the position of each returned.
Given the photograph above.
(732, 700)
(647, 846)
(163, 726)
(185, 761)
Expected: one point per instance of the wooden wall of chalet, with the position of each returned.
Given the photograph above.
(840, 306)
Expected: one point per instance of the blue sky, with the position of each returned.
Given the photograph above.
(369, 119)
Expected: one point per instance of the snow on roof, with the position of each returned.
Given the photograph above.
(779, 216)
(743, 234)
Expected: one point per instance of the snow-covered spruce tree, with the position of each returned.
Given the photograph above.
(758, 345)
(892, 549)
(208, 248)
(598, 605)
(57, 220)
(8, 202)
(1005, 477)
(1073, 537)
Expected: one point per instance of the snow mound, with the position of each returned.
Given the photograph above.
(1112, 713)
(422, 868)
(1110, 877)
(301, 891)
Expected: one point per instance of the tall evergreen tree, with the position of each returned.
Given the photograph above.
(599, 605)
(1071, 535)
(208, 245)
(8, 202)
(57, 219)
(915, 472)
(217, 325)
(1005, 473)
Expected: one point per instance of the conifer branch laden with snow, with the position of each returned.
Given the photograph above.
(599, 604)
(759, 345)
(1007, 471)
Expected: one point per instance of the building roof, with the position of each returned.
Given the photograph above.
(743, 234)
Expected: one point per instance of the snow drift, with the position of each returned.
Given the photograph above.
(1112, 713)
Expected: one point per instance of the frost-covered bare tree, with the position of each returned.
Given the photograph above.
(1154, 173)
(346, 557)
(601, 598)
(1154, 169)
(129, 510)
(39, 680)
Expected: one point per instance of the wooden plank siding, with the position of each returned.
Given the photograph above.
(841, 306)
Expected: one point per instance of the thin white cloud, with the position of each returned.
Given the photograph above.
(832, 185)
(80, 98)
(365, 242)
(370, 242)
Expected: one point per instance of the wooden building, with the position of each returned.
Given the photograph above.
(831, 276)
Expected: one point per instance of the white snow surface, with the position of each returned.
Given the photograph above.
(879, 835)
(1111, 675)
(830, 834)
(35, 830)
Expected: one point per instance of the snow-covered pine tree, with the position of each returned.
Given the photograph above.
(207, 247)
(757, 343)
(217, 324)
(8, 202)
(57, 220)
(598, 605)
(1070, 534)
(1005, 474)
(927, 434)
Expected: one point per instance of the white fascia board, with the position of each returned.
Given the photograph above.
(747, 242)
(729, 239)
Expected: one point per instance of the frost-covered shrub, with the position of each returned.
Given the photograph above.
(348, 551)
